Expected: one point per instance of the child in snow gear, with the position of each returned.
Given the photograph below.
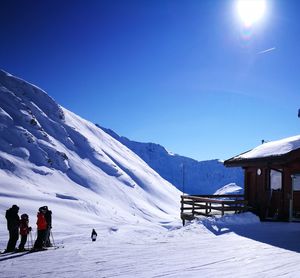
(48, 217)
(94, 235)
(13, 222)
(41, 229)
(24, 231)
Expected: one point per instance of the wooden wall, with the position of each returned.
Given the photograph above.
(267, 203)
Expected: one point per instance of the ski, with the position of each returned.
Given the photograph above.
(33, 250)
(4, 253)
(46, 248)
(15, 254)
(12, 255)
(43, 249)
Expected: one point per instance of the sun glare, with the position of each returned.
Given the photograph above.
(251, 11)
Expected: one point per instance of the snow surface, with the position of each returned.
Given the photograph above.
(230, 188)
(187, 174)
(232, 246)
(50, 156)
(274, 148)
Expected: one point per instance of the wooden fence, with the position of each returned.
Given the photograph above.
(207, 205)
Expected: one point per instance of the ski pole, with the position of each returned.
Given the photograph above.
(31, 239)
(52, 237)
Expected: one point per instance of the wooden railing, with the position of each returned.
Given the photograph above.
(207, 205)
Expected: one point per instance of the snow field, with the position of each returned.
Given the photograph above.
(205, 248)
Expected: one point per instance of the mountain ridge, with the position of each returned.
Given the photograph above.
(187, 174)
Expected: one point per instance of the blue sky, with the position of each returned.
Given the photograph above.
(184, 74)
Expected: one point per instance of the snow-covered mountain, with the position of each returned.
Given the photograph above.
(228, 189)
(49, 155)
(187, 174)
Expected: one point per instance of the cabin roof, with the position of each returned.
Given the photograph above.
(274, 151)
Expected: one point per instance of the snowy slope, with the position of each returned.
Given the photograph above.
(49, 155)
(228, 189)
(234, 246)
(200, 177)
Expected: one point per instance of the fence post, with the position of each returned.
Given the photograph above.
(182, 210)
(193, 207)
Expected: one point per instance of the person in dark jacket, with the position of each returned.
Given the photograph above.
(41, 229)
(24, 231)
(94, 235)
(48, 217)
(13, 223)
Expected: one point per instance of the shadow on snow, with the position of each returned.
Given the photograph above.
(282, 235)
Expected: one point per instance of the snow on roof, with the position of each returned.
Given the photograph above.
(274, 148)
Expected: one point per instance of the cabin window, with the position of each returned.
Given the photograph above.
(275, 180)
(296, 183)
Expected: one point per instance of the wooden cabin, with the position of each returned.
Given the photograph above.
(272, 178)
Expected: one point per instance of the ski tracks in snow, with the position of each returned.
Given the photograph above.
(147, 252)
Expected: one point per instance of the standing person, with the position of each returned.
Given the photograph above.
(24, 231)
(94, 235)
(41, 229)
(13, 223)
(48, 217)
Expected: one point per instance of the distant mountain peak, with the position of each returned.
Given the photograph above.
(187, 174)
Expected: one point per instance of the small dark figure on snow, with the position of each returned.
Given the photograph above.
(48, 217)
(41, 229)
(13, 223)
(24, 231)
(94, 235)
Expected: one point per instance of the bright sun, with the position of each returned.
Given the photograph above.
(250, 11)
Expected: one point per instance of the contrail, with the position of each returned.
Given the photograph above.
(267, 50)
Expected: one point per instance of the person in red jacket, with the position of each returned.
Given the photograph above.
(41, 229)
(24, 231)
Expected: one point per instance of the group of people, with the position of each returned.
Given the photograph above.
(17, 225)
